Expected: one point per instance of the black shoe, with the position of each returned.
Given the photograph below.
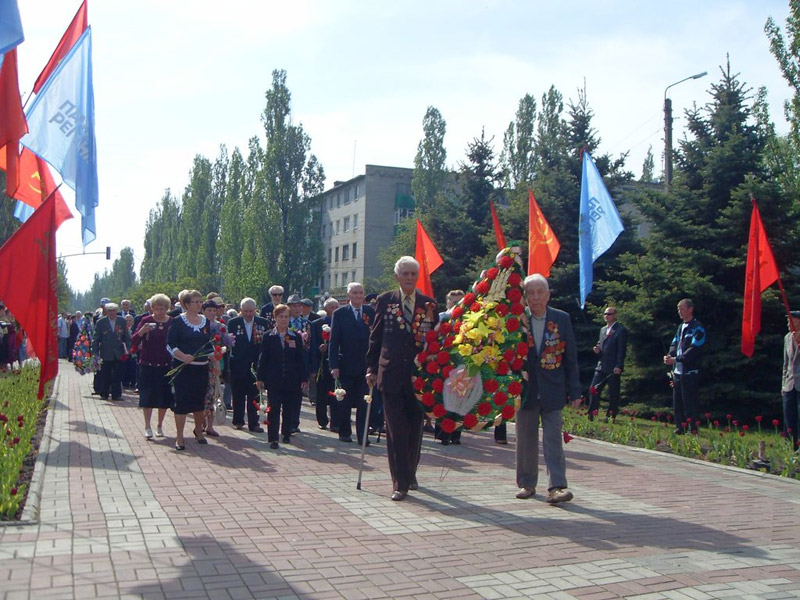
(287, 439)
(414, 485)
(347, 439)
(257, 429)
(274, 445)
(397, 496)
(294, 430)
(456, 442)
(238, 427)
(323, 427)
(103, 397)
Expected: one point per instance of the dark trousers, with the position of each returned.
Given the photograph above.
(130, 372)
(109, 380)
(684, 400)
(356, 387)
(501, 433)
(281, 412)
(325, 400)
(376, 412)
(599, 381)
(244, 393)
(791, 415)
(403, 435)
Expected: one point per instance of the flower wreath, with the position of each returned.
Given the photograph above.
(473, 366)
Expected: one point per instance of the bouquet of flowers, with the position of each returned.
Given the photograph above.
(211, 349)
(473, 366)
(82, 353)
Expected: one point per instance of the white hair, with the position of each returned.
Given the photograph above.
(405, 260)
(330, 302)
(352, 285)
(276, 289)
(538, 278)
(247, 302)
(112, 306)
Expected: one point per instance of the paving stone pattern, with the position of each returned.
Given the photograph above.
(121, 517)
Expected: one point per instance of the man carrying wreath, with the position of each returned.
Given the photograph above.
(552, 381)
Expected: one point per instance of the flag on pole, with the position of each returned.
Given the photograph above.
(10, 26)
(73, 33)
(428, 258)
(498, 230)
(61, 121)
(12, 120)
(599, 223)
(761, 272)
(32, 297)
(543, 246)
(36, 184)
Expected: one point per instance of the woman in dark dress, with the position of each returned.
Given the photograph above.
(282, 371)
(150, 339)
(188, 335)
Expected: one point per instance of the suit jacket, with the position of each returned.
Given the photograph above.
(790, 379)
(691, 343)
(612, 348)
(282, 366)
(553, 371)
(243, 357)
(109, 338)
(318, 357)
(393, 342)
(350, 340)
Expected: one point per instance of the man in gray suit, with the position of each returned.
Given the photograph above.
(111, 343)
(610, 347)
(790, 382)
(552, 381)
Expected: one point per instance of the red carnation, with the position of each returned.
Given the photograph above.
(448, 425)
(438, 386)
(470, 421)
(515, 388)
(517, 309)
(457, 312)
(512, 324)
(444, 328)
(514, 294)
(468, 299)
(439, 411)
(434, 346)
(428, 399)
(431, 336)
(514, 279)
(500, 398)
(475, 306)
(501, 310)
(506, 261)
(508, 412)
(567, 437)
(491, 274)
(516, 364)
(422, 357)
(419, 384)
(431, 367)
(446, 371)
(508, 355)
(484, 408)
(482, 287)
(502, 368)
(443, 358)
(448, 341)
(491, 385)
(457, 325)
(522, 349)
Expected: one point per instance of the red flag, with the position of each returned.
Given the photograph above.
(12, 120)
(498, 230)
(428, 258)
(762, 272)
(543, 246)
(32, 297)
(76, 28)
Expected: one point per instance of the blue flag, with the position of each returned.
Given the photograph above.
(22, 211)
(599, 223)
(10, 26)
(61, 123)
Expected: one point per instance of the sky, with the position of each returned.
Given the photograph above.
(176, 79)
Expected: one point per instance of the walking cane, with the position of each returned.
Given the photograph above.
(368, 400)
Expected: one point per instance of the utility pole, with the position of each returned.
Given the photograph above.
(668, 130)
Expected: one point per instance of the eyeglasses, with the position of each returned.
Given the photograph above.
(609, 314)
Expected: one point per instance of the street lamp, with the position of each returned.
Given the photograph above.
(668, 130)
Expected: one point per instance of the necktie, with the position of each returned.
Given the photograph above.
(358, 314)
(408, 308)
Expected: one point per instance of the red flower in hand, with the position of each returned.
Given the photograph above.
(567, 437)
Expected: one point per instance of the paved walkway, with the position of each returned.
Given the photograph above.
(123, 517)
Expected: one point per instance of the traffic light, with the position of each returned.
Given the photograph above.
(108, 252)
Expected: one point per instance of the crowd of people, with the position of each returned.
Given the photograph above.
(197, 355)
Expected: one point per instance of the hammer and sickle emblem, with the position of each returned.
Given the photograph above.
(43, 244)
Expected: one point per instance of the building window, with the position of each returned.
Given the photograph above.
(355, 221)
(347, 196)
(402, 213)
(336, 280)
(346, 225)
(354, 277)
(337, 226)
(355, 250)
(336, 254)
(323, 230)
(355, 193)
(338, 200)
(346, 252)
(329, 255)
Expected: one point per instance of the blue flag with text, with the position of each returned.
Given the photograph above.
(11, 34)
(61, 123)
(599, 223)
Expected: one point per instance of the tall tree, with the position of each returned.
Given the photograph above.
(430, 169)
(648, 167)
(519, 156)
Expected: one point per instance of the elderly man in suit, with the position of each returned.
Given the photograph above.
(611, 347)
(402, 318)
(790, 380)
(321, 369)
(276, 297)
(347, 355)
(552, 381)
(247, 332)
(111, 342)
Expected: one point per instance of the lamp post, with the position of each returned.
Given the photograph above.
(668, 130)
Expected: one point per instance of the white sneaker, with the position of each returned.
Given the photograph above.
(159, 432)
(148, 433)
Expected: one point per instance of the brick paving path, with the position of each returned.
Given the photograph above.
(123, 517)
